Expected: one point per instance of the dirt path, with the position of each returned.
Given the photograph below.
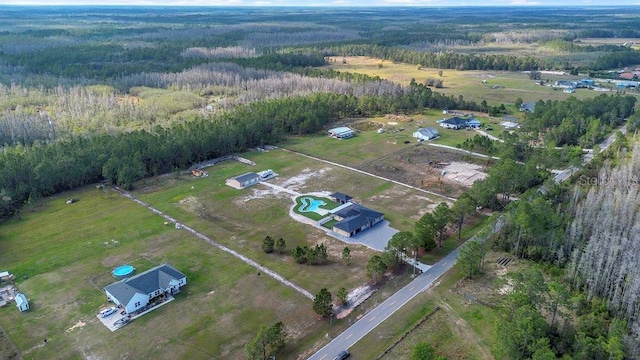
(370, 174)
(466, 332)
(263, 269)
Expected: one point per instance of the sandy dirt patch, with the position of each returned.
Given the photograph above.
(356, 297)
(79, 324)
(464, 173)
(297, 182)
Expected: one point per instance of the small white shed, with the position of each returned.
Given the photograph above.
(21, 302)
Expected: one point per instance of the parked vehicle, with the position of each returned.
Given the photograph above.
(108, 312)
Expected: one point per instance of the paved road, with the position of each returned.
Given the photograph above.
(375, 317)
(588, 156)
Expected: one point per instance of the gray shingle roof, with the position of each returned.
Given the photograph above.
(455, 121)
(355, 217)
(145, 282)
(245, 177)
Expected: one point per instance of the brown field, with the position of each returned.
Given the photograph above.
(496, 87)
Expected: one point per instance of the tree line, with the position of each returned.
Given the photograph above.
(41, 169)
(579, 122)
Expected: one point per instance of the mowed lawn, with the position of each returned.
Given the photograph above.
(498, 86)
(370, 145)
(62, 255)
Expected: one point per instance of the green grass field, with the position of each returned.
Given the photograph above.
(498, 86)
(370, 144)
(62, 255)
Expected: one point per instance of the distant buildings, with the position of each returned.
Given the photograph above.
(426, 133)
(528, 106)
(342, 132)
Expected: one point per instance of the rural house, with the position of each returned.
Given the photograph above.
(454, 123)
(21, 302)
(340, 198)
(510, 122)
(426, 133)
(355, 218)
(244, 180)
(474, 123)
(342, 132)
(528, 106)
(138, 291)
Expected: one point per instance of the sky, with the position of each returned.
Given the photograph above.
(257, 3)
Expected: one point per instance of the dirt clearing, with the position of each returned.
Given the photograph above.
(440, 170)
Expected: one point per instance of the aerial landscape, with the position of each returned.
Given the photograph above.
(310, 182)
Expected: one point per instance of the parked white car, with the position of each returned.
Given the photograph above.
(108, 312)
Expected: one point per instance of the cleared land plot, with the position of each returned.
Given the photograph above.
(498, 86)
(422, 167)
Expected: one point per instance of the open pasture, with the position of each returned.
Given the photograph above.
(496, 87)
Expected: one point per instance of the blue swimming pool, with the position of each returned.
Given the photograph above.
(122, 271)
(310, 204)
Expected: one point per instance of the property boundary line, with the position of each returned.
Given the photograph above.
(201, 236)
(370, 174)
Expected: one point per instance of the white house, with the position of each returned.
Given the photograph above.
(342, 132)
(426, 133)
(137, 292)
(21, 302)
(474, 123)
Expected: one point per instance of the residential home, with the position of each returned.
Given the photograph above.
(474, 123)
(21, 302)
(354, 219)
(626, 76)
(454, 123)
(244, 180)
(426, 133)
(138, 291)
(528, 106)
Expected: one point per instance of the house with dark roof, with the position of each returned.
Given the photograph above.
(355, 218)
(138, 291)
(426, 133)
(244, 180)
(340, 198)
(454, 123)
(528, 106)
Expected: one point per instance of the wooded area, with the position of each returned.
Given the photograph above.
(113, 95)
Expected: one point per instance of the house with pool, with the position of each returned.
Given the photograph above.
(337, 213)
(140, 290)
